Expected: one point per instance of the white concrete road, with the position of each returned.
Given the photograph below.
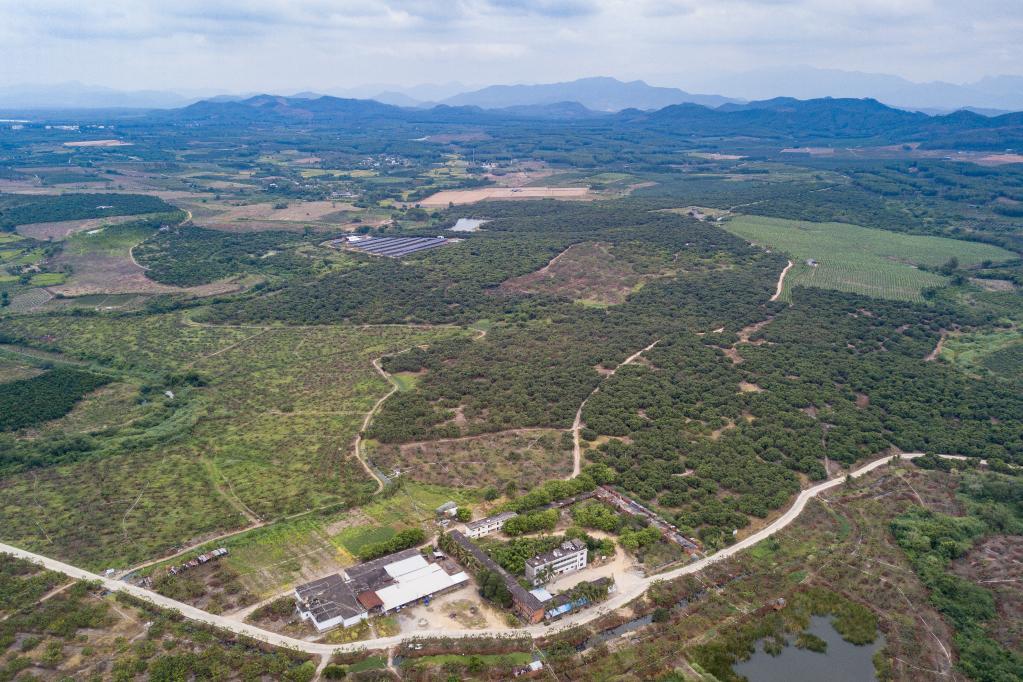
(619, 599)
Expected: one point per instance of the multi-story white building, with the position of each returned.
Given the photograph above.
(491, 524)
(569, 557)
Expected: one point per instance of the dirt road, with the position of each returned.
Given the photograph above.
(781, 281)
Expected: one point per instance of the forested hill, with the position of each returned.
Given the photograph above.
(784, 119)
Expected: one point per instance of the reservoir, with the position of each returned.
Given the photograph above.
(843, 662)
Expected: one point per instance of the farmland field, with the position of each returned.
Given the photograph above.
(280, 216)
(65, 228)
(859, 259)
(469, 196)
(272, 558)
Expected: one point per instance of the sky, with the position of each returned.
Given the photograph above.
(292, 45)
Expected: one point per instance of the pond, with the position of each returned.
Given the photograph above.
(843, 662)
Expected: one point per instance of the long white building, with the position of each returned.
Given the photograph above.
(491, 524)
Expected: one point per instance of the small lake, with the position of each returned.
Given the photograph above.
(467, 225)
(843, 662)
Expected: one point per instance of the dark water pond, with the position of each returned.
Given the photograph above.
(843, 662)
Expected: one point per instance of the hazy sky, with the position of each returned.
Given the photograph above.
(290, 45)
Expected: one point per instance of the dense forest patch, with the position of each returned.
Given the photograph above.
(20, 209)
(843, 378)
(32, 401)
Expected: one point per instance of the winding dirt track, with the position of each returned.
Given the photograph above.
(369, 418)
(619, 600)
(577, 450)
(781, 281)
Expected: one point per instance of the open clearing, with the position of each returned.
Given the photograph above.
(592, 273)
(65, 228)
(527, 458)
(294, 211)
(997, 564)
(859, 259)
(101, 263)
(297, 215)
(999, 352)
(468, 196)
(13, 370)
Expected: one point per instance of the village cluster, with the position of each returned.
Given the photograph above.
(418, 575)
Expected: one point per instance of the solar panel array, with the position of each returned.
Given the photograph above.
(396, 247)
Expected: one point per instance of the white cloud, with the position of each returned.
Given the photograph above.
(288, 44)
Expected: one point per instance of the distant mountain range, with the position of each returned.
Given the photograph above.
(989, 96)
(784, 120)
(597, 94)
(78, 96)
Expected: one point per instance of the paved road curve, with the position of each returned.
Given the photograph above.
(620, 599)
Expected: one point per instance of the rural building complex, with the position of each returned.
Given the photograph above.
(379, 586)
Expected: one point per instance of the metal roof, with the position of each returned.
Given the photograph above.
(329, 598)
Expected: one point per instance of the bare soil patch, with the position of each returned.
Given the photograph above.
(717, 156)
(1000, 159)
(98, 143)
(311, 211)
(812, 151)
(469, 196)
(993, 284)
(520, 177)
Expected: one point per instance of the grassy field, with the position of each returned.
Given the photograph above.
(268, 435)
(12, 369)
(999, 352)
(859, 259)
